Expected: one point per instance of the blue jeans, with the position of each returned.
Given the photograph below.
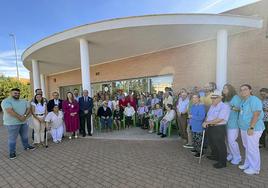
(105, 122)
(163, 127)
(13, 131)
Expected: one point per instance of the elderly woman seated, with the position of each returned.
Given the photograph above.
(118, 116)
(105, 114)
(155, 115)
(164, 123)
(143, 115)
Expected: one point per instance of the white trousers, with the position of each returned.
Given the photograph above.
(189, 134)
(57, 133)
(39, 130)
(252, 152)
(232, 145)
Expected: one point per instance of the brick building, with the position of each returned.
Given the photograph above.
(151, 52)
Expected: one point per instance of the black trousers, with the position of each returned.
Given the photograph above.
(216, 140)
(85, 118)
(128, 120)
(263, 136)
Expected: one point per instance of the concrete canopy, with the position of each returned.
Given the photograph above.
(128, 37)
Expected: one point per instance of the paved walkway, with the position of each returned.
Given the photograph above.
(107, 161)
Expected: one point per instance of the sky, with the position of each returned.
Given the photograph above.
(32, 20)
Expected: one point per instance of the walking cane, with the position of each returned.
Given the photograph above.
(46, 137)
(202, 144)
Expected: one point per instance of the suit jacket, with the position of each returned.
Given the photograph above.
(85, 105)
(51, 104)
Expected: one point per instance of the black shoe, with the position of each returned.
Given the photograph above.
(30, 148)
(211, 157)
(159, 133)
(12, 156)
(194, 151)
(197, 155)
(219, 165)
(89, 134)
(84, 135)
(163, 136)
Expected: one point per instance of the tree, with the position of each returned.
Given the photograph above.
(7, 83)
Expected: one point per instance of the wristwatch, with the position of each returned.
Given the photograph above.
(25, 115)
(251, 128)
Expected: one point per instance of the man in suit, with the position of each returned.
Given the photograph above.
(85, 105)
(55, 101)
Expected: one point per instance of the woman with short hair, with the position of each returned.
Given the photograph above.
(164, 123)
(251, 126)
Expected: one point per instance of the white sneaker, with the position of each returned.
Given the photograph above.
(70, 137)
(151, 131)
(251, 172)
(75, 136)
(188, 146)
(243, 167)
(235, 161)
(229, 157)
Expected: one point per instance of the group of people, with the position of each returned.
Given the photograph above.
(44, 115)
(222, 114)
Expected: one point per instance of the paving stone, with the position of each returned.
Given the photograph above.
(132, 158)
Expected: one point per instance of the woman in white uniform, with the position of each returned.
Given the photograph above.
(55, 123)
(251, 125)
(231, 98)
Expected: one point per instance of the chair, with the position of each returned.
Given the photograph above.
(133, 120)
(157, 123)
(170, 126)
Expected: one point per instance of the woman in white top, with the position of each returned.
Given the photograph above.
(55, 123)
(129, 112)
(39, 111)
(169, 116)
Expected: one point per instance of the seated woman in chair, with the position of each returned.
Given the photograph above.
(155, 115)
(129, 112)
(143, 116)
(118, 116)
(164, 123)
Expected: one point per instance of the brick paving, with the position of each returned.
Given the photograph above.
(105, 162)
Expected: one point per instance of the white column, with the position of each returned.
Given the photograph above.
(221, 67)
(36, 74)
(43, 84)
(85, 69)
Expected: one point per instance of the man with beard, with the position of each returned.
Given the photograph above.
(16, 111)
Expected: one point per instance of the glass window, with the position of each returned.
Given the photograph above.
(65, 89)
(138, 85)
(160, 82)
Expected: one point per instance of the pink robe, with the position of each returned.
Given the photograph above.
(72, 123)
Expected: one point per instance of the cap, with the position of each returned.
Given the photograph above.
(216, 93)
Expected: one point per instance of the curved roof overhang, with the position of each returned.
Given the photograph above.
(132, 36)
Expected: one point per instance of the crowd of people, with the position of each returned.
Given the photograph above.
(220, 115)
